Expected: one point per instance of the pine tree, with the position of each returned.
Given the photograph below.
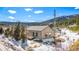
(7, 32)
(11, 32)
(23, 35)
(1, 30)
(17, 31)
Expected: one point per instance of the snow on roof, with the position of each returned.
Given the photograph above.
(36, 28)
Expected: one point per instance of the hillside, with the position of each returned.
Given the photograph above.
(61, 18)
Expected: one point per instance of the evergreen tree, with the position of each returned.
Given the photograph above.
(7, 32)
(77, 21)
(23, 35)
(17, 30)
(1, 30)
(11, 32)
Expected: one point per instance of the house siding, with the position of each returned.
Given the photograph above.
(46, 31)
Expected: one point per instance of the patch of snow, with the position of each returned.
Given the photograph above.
(44, 48)
(69, 37)
(9, 45)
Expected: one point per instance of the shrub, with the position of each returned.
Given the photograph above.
(75, 46)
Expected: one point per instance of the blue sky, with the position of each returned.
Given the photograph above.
(34, 14)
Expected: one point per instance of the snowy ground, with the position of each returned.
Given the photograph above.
(9, 44)
(69, 37)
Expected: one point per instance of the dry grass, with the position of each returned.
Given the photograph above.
(75, 46)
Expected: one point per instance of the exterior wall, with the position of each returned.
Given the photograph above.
(47, 32)
(30, 34)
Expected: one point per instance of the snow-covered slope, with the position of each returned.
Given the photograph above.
(69, 37)
(10, 44)
(7, 45)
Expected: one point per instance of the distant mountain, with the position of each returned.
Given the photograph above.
(44, 22)
(60, 18)
(24, 23)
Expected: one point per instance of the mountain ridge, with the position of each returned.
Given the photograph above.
(50, 21)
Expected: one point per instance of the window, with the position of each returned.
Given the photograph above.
(35, 34)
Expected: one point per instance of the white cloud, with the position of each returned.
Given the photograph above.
(76, 7)
(28, 9)
(31, 21)
(48, 16)
(38, 12)
(11, 17)
(29, 16)
(12, 11)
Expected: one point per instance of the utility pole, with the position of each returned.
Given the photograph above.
(54, 18)
(54, 14)
(54, 23)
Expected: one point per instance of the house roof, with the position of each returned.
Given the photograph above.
(36, 28)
